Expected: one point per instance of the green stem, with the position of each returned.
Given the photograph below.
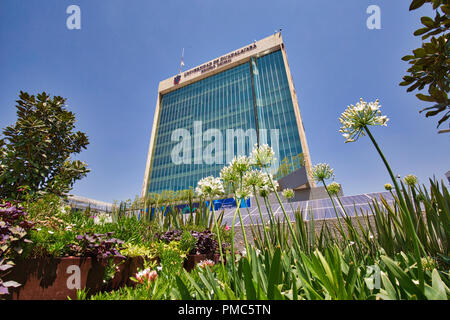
(266, 236)
(404, 208)
(218, 234)
(291, 230)
(243, 230)
(337, 213)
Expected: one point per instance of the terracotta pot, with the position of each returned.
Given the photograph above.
(59, 278)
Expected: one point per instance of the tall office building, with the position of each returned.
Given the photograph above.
(207, 115)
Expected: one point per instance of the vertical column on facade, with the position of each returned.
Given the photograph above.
(255, 82)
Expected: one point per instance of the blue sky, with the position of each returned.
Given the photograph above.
(110, 69)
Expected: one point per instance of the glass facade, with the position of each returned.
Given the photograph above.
(201, 125)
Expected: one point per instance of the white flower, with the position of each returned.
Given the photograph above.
(288, 193)
(51, 232)
(334, 188)
(262, 156)
(355, 118)
(209, 187)
(228, 175)
(240, 165)
(232, 174)
(265, 187)
(253, 178)
(244, 192)
(411, 180)
(102, 218)
(321, 172)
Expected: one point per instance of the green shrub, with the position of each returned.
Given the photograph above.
(187, 242)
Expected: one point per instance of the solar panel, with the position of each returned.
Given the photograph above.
(320, 208)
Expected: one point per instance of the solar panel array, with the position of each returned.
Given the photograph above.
(320, 208)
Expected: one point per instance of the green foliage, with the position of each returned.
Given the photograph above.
(329, 265)
(35, 152)
(137, 250)
(171, 257)
(49, 242)
(187, 241)
(430, 64)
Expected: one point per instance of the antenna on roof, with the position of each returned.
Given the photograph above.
(181, 62)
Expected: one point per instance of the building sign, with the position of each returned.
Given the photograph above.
(229, 203)
(176, 80)
(219, 61)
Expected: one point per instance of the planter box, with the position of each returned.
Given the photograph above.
(59, 278)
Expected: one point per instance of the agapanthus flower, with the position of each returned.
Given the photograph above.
(243, 192)
(262, 156)
(411, 180)
(355, 118)
(102, 218)
(210, 187)
(253, 178)
(240, 165)
(265, 188)
(321, 172)
(232, 174)
(334, 188)
(288, 193)
(229, 176)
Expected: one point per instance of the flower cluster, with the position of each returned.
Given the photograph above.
(262, 156)
(209, 187)
(355, 118)
(146, 276)
(334, 188)
(260, 182)
(321, 172)
(240, 165)
(102, 218)
(288, 193)
(206, 263)
(411, 180)
(232, 175)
